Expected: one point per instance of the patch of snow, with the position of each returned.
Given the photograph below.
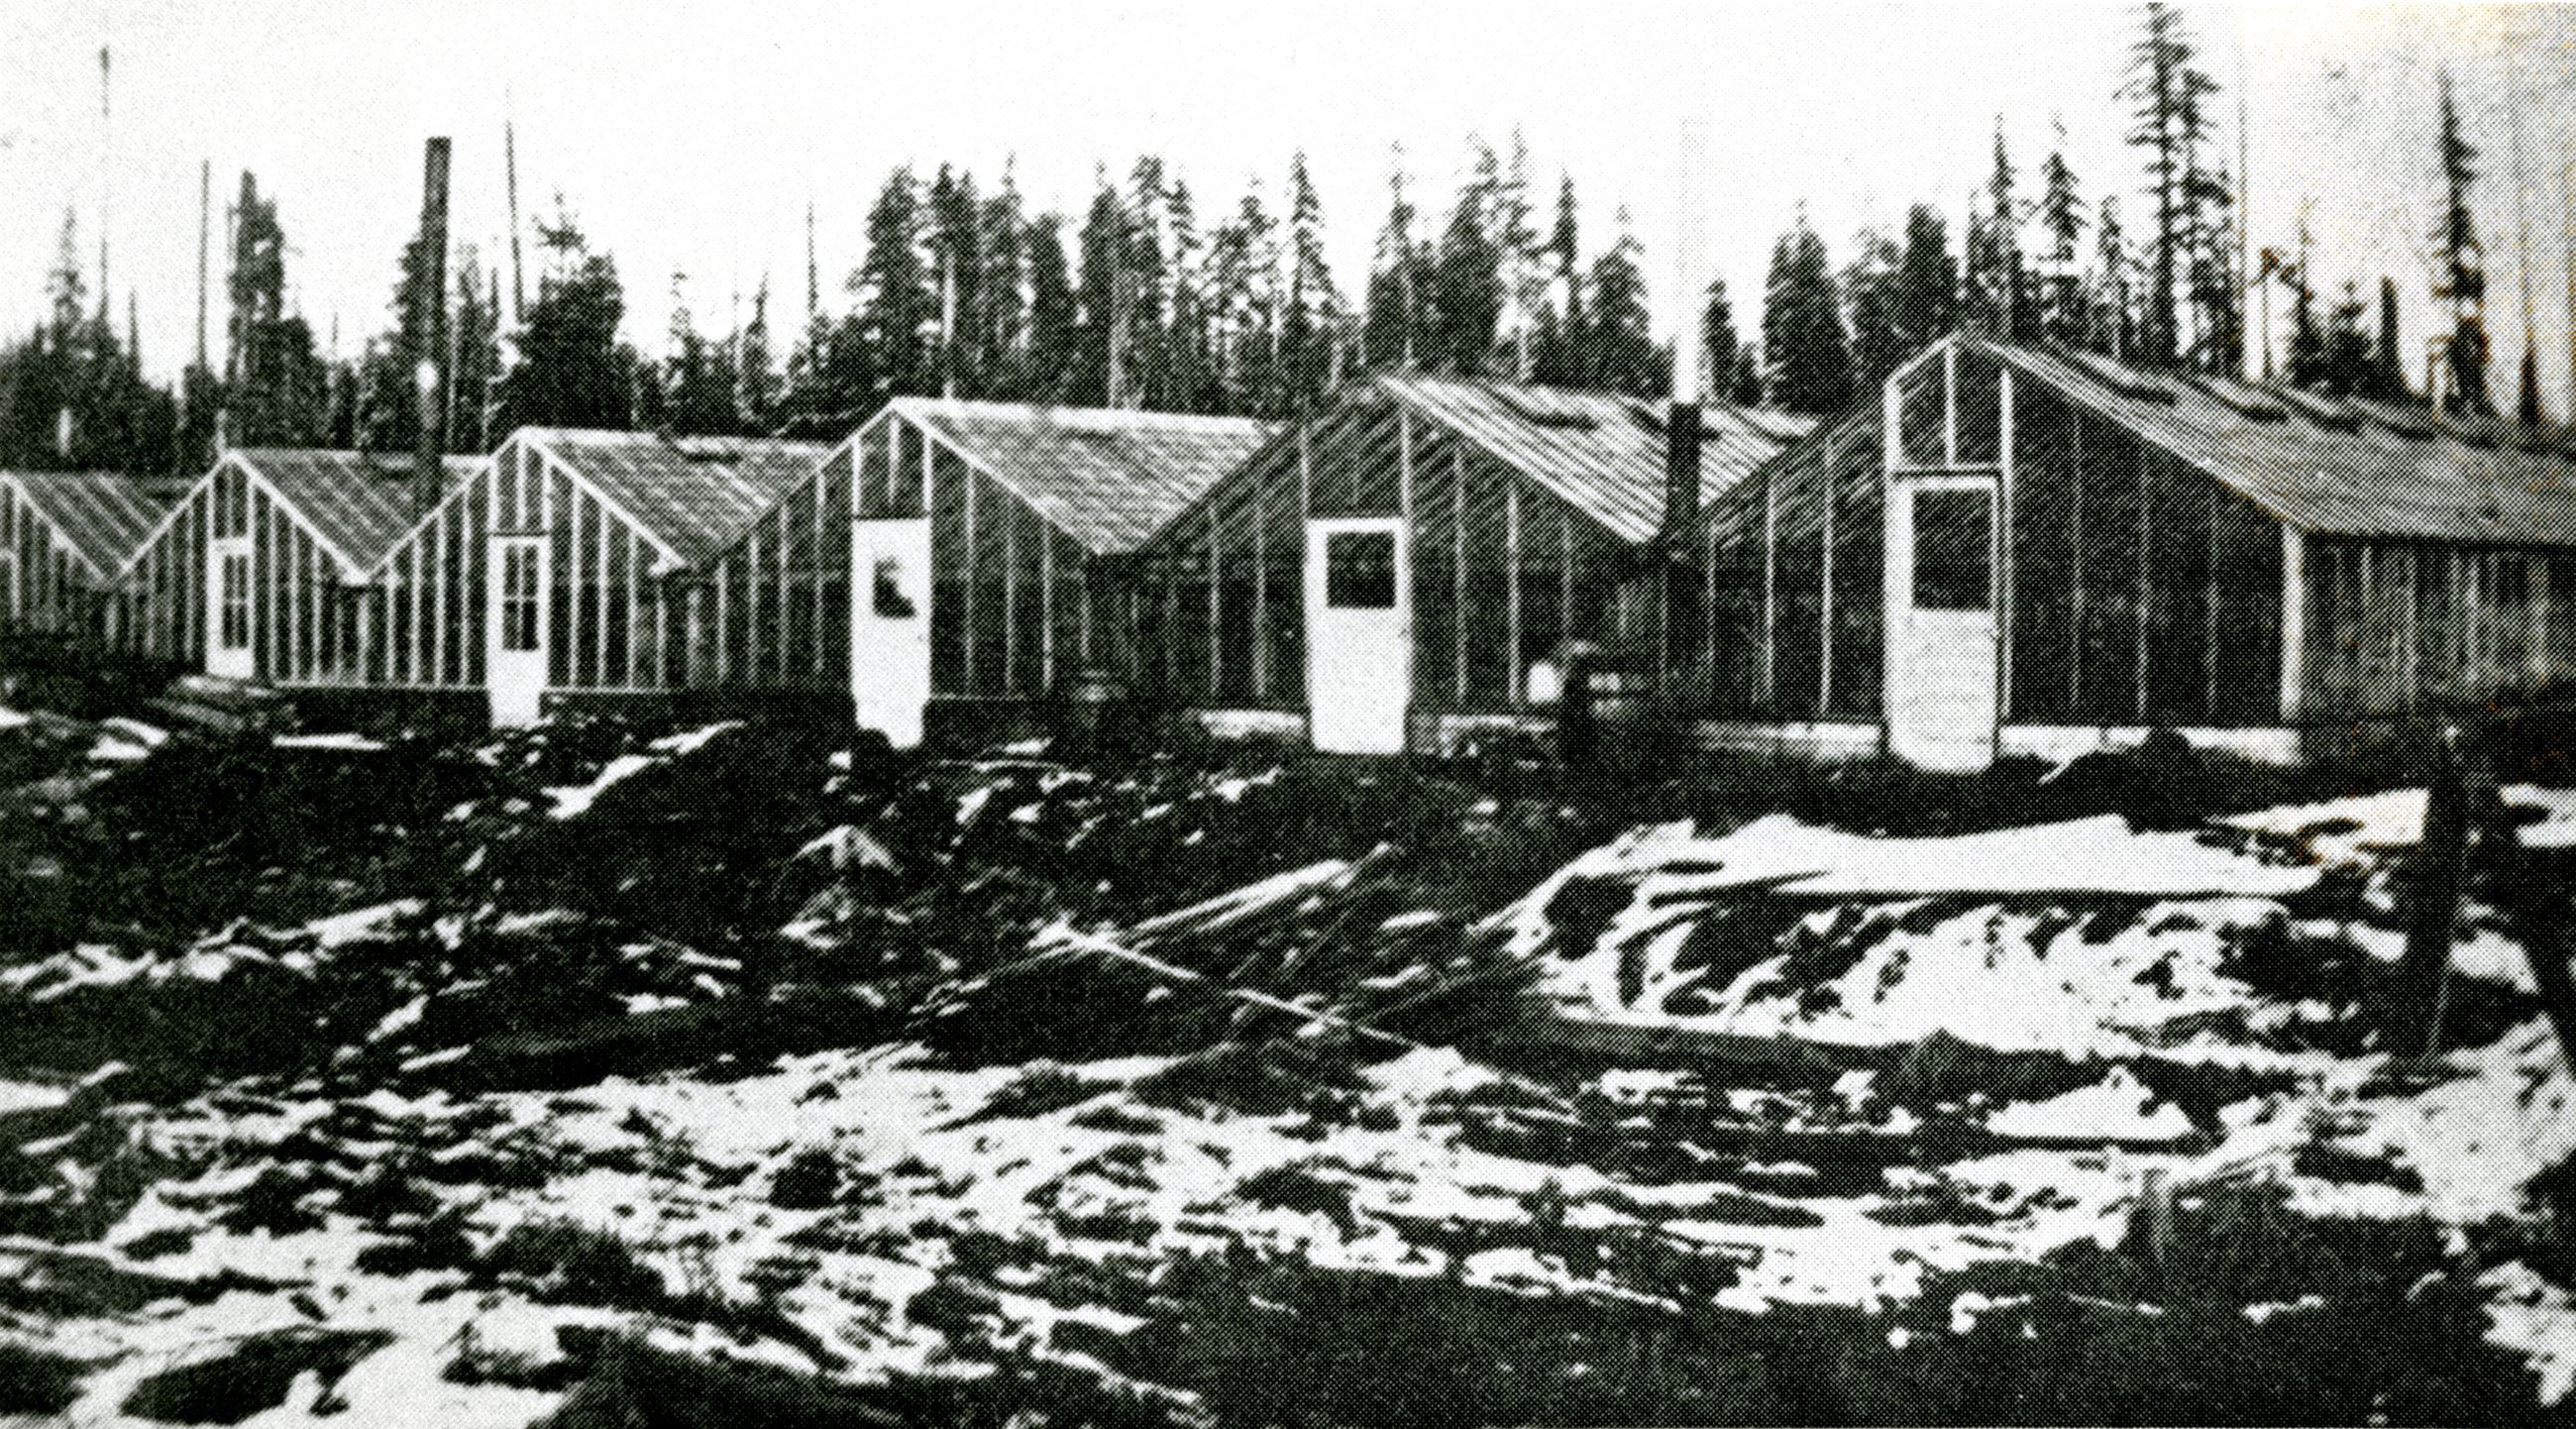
(2355, 830)
(2117, 1108)
(348, 927)
(11, 719)
(1235, 905)
(2536, 1320)
(30, 1096)
(574, 800)
(694, 740)
(353, 742)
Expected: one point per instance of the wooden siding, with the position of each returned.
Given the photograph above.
(2396, 629)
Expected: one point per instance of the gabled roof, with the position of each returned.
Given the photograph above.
(1106, 478)
(355, 504)
(102, 516)
(2331, 466)
(1601, 452)
(358, 503)
(689, 495)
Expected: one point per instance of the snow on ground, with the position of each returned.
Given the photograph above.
(571, 801)
(1888, 940)
(691, 741)
(352, 742)
(2117, 1108)
(2361, 828)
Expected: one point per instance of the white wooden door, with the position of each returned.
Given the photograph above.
(515, 632)
(890, 626)
(1359, 634)
(228, 608)
(1943, 678)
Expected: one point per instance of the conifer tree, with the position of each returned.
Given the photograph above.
(1802, 327)
(1050, 359)
(2114, 321)
(2462, 280)
(1395, 331)
(755, 373)
(2063, 315)
(896, 308)
(1561, 321)
(1869, 291)
(1245, 276)
(2170, 96)
(1468, 303)
(1995, 289)
(474, 359)
(276, 389)
(1310, 331)
(1524, 272)
(572, 371)
(1002, 297)
(1746, 388)
(692, 395)
(1191, 378)
(952, 234)
(1718, 343)
(2389, 359)
(1619, 344)
(1923, 303)
(1102, 300)
(1146, 257)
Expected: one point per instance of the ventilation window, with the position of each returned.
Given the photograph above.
(1547, 409)
(887, 596)
(1359, 570)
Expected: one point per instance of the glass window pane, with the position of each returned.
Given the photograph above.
(1953, 550)
(1359, 570)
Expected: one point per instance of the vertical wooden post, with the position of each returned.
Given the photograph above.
(1458, 571)
(2006, 607)
(1261, 589)
(1825, 625)
(1046, 606)
(2294, 622)
(2146, 572)
(972, 585)
(1215, 611)
(1517, 660)
(1770, 592)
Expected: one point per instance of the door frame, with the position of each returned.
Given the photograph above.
(1316, 581)
(507, 669)
(1904, 618)
(901, 723)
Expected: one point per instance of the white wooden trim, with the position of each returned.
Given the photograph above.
(2294, 620)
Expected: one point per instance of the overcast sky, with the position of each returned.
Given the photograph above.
(689, 135)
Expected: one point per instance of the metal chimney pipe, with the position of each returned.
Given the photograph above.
(1681, 426)
(429, 327)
